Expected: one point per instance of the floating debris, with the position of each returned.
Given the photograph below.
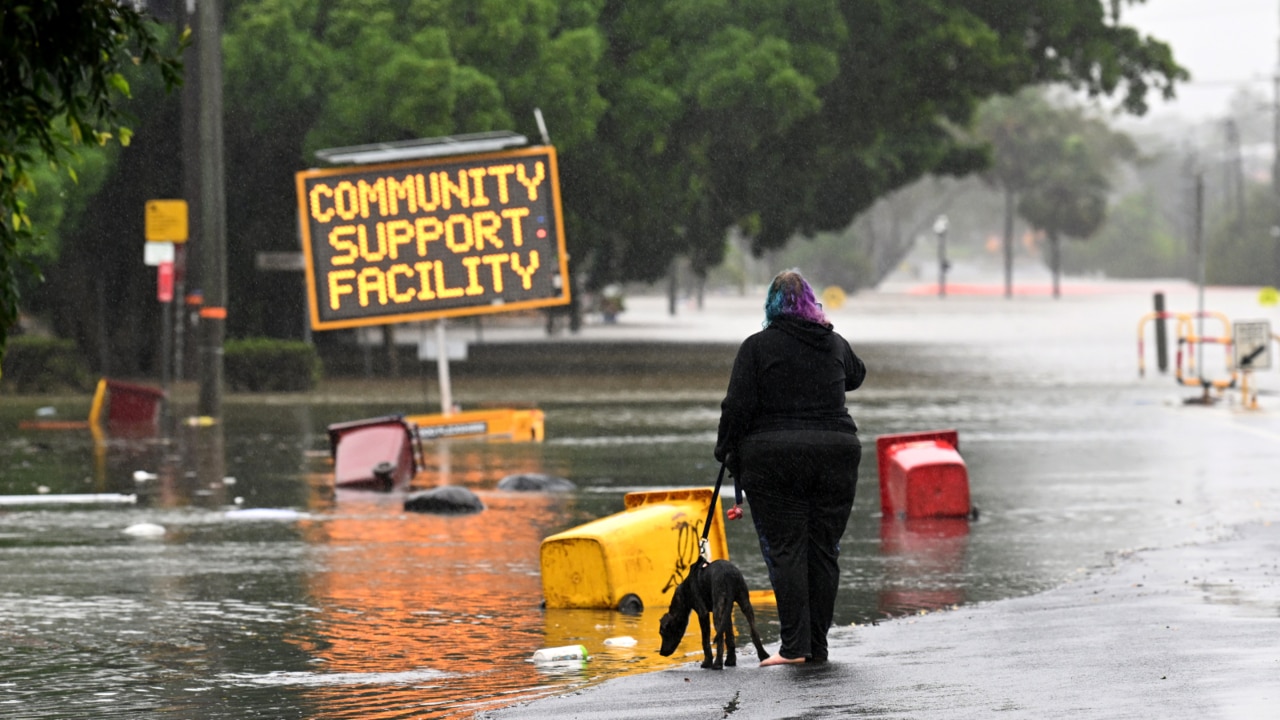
(564, 653)
(145, 530)
(45, 498)
(265, 514)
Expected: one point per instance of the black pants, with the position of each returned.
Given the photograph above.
(800, 487)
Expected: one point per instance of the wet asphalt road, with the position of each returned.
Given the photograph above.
(1187, 632)
(1189, 629)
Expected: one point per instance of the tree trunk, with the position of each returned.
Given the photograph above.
(673, 287)
(1055, 260)
(1008, 242)
(389, 344)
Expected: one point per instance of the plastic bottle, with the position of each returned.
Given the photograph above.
(560, 654)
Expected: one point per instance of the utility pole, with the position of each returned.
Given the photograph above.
(185, 266)
(1201, 261)
(1275, 168)
(213, 235)
(1233, 175)
(1190, 171)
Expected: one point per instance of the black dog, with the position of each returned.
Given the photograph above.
(710, 588)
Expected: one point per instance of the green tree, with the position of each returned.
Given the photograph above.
(60, 83)
(1018, 131)
(1053, 164)
(1070, 187)
(1135, 242)
(883, 114)
(1244, 254)
(302, 76)
(675, 120)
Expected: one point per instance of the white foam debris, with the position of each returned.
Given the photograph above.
(47, 498)
(318, 679)
(265, 514)
(145, 530)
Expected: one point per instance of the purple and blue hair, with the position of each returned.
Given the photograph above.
(791, 296)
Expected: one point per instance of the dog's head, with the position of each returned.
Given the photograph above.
(671, 627)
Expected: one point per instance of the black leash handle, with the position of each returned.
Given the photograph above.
(715, 496)
(704, 546)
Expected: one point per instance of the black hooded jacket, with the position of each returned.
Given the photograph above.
(793, 375)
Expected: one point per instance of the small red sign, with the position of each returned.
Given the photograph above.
(164, 282)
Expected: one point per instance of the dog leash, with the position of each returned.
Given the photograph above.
(704, 545)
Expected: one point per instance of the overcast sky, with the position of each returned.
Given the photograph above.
(1223, 43)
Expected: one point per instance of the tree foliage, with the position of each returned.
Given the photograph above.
(303, 76)
(1135, 242)
(788, 118)
(1054, 165)
(61, 77)
(1247, 253)
(674, 120)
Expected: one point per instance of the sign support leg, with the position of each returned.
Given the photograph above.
(442, 365)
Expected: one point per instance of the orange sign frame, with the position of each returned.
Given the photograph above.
(428, 239)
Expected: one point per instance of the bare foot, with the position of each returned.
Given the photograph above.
(779, 660)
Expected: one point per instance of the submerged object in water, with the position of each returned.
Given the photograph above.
(922, 475)
(564, 653)
(634, 559)
(265, 514)
(445, 500)
(536, 482)
(375, 453)
(145, 530)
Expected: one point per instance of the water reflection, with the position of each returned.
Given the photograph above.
(429, 608)
(358, 609)
(350, 607)
(476, 465)
(924, 563)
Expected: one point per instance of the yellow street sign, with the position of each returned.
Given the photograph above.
(833, 297)
(166, 221)
(1267, 296)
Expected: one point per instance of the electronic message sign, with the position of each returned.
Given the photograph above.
(426, 239)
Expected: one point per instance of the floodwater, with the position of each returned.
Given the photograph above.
(265, 593)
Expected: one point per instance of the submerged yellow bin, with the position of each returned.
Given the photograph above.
(515, 424)
(632, 560)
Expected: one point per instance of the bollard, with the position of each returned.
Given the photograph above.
(922, 475)
(1162, 343)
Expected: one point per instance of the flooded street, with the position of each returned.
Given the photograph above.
(269, 594)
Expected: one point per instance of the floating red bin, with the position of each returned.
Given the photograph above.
(131, 406)
(922, 475)
(376, 453)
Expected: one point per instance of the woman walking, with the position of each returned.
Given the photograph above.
(787, 437)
